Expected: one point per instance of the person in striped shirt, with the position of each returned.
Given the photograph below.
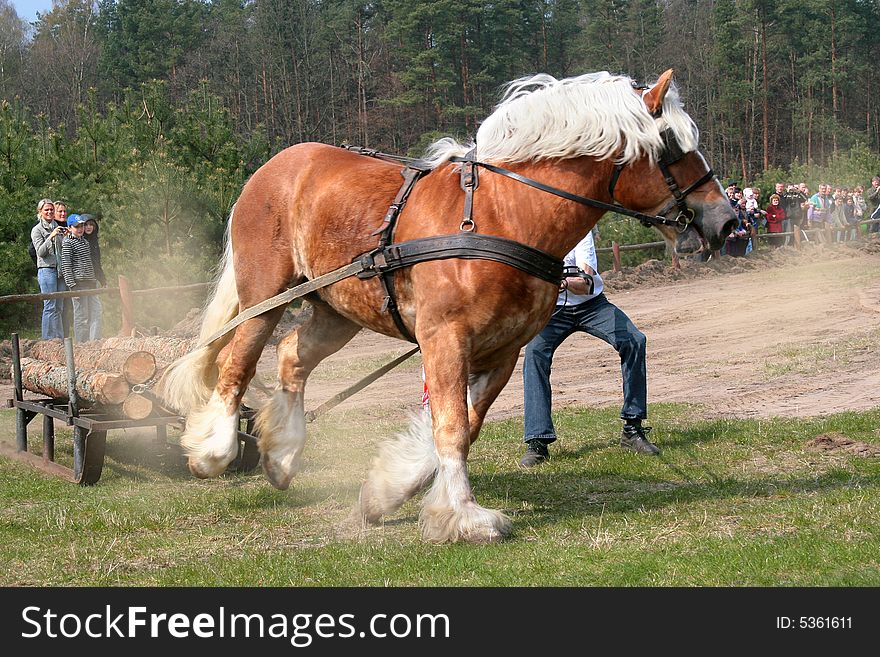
(79, 274)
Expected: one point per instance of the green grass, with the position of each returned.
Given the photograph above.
(818, 358)
(359, 367)
(728, 503)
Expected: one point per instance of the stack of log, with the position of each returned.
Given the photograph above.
(106, 371)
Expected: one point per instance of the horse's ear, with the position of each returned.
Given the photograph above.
(654, 97)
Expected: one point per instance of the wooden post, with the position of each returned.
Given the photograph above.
(615, 250)
(127, 304)
(21, 421)
(16, 368)
(48, 438)
(72, 404)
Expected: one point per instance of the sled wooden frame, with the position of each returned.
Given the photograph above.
(90, 429)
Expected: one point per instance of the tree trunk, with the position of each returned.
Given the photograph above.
(135, 366)
(834, 102)
(165, 349)
(766, 89)
(51, 379)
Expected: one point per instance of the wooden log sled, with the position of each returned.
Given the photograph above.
(115, 373)
(95, 386)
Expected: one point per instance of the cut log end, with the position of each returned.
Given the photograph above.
(137, 407)
(139, 367)
(115, 389)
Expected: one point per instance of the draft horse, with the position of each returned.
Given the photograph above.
(552, 158)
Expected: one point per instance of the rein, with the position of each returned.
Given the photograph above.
(672, 152)
(647, 219)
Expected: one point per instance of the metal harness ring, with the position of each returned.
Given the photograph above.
(684, 219)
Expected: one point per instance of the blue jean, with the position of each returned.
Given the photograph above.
(49, 282)
(87, 315)
(602, 319)
(874, 228)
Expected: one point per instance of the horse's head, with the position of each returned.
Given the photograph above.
(675, 183)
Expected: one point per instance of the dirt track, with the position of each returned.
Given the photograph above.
(785, 334)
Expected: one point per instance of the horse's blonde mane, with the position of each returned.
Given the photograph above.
(595, 115)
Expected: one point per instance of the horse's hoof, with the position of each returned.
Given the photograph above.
(367, 507)
(278, 479)
(199, 470)
(471, 524)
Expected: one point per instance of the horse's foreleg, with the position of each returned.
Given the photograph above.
(281, 424)
(211, 436)
(449, 511)
(408, 462)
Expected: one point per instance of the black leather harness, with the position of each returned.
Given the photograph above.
(388, 257)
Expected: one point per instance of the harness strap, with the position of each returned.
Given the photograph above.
(386, 229)
(284, 298)
(682, 193)
(470, 180)
(387, 157)
(468, 246)
(389, 305)
(465, 245)
(411, 174)
(340, 397)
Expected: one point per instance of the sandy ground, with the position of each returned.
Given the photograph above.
(792, 340)
(788, 334)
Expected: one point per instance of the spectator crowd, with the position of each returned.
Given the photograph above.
(790, 214)
(67, 256)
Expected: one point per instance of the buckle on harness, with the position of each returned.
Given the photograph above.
(368, 262)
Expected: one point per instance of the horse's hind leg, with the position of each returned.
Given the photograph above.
(281, 423)
(403, 466)
(211, 437)
(483, 390)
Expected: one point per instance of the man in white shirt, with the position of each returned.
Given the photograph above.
(582, 306)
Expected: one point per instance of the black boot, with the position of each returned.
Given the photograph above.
(634, 436)
(536, 454)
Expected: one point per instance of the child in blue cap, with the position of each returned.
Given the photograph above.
(79, 274)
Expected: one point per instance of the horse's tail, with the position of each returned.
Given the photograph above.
(190, 380)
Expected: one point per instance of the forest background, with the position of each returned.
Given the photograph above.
(152, 114)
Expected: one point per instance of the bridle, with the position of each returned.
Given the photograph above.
(671, 153)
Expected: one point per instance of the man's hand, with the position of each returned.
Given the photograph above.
(575, 285)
